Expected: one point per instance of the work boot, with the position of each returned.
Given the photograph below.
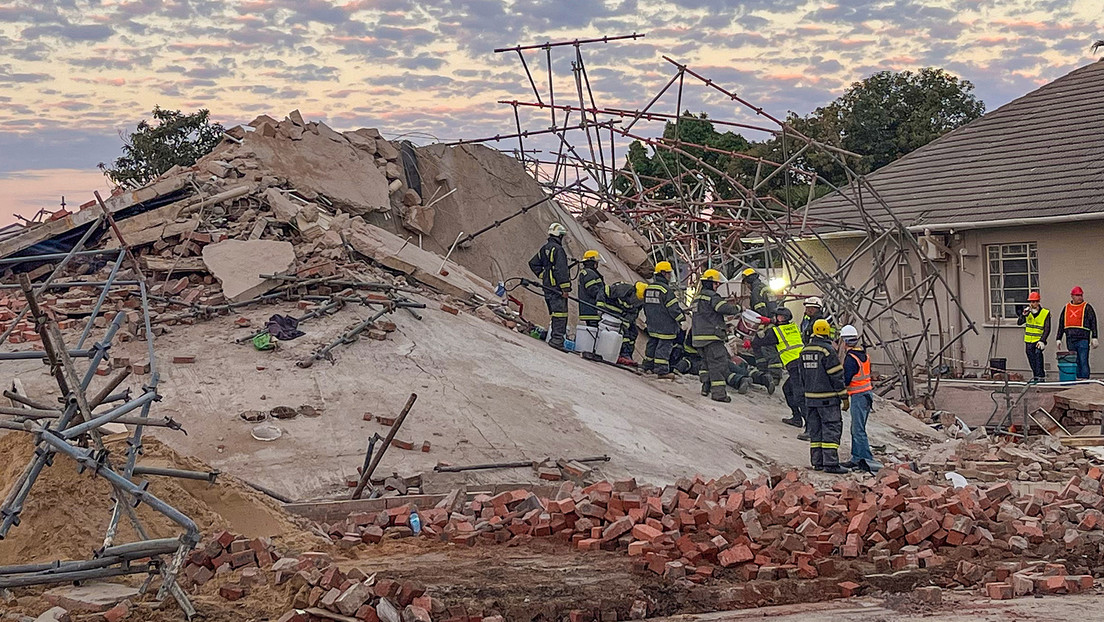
(724, 398)
(835, 469)
(850, 464)
(803, 437)
(624, 360)
(770, 384)
(705, 390)
(743, 386)
(795, 422)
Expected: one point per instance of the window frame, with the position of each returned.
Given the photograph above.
(1001, 253)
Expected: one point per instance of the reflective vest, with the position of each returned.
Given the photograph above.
(1075, 315)
(1033, 327)
(861, 382)
(789, 342)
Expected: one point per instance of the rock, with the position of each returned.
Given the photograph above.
(326, 131)
(237, 265)
(392, 171)
(410, 198)
(419, 218)
(370, 132)
(352, 598)
(283, 209)
(387, 151)
(297, 118)
(55, 614)
(91, 597)
(387, 612)
(361, 142)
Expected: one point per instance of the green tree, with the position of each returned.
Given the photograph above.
(173, 139)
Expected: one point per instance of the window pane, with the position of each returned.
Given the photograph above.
(1015, 266)
(994, 252)
(1017, 281)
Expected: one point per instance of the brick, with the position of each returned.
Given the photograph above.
(450, 309)
(646, 533)
(736, 555)
(401, 444)
(425, 447)
(232, 592)
(848, 588)
(118, 612)
(184, 360)
(387, 421)
(294, 616)
(998, 591)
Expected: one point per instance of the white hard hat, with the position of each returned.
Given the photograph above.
(813, 301)
(849, 332)
(556, 229)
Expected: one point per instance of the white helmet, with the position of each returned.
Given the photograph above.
(849, 332)
(813, 301)
(556, 229)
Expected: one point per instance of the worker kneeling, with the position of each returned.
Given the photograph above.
(825, 394)
(664, 315)
(620, 304)
(708, 335)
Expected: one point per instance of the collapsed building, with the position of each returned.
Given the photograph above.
(381, 270)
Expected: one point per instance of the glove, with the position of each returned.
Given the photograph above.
(1058, 344)
(1095, 343)
(564, 292)
(846, 403)
(747, 344)
(1040, 345)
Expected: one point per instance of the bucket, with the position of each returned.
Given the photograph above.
(586, 337)
(609, 345)
(1067, 357)
(1067, 372)
(569, 345)
(748, 322)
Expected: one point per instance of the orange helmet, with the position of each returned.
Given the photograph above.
(1033, 297)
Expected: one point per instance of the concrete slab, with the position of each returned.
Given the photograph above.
(54, 614)
(90, 597)
(238, 264)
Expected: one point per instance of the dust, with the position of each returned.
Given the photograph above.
(67, 513)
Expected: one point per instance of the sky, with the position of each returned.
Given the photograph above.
(76, 74)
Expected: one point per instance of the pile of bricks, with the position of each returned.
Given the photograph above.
(319, 587)
(225, 553)
(1015, 579)
(1045, 459)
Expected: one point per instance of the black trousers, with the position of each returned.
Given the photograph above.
(1035, 359)
(794, 390)
(714, 371)
(824, 426)
(657, 354)
(557, 311)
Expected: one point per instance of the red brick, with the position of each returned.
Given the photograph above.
(401, 444)
(849, 588)
(232, 592)
(736, 555)
(448, 309)
(646, 533)
(183, 360)
(998, 591)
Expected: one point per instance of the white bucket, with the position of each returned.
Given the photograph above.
(609, 345)
(586, 338)
(610, 322)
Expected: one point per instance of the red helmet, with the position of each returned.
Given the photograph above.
(1077, 291)
(1033, 297)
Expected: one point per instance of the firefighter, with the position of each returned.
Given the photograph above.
(760, 293)
(784, 337)
(623, 301)
(591, 283)
(664, 317)
(860, 391)
(550, 264)
(709, 334)
(825, 395)
(686, 360)
(814, 310)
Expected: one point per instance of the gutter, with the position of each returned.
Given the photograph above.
(975, 224)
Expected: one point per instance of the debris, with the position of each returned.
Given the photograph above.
(238, 265)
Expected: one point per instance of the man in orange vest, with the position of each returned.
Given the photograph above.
(1078, 326)
(1036, 322)
(860, 390)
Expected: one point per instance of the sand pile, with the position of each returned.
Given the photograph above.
(67, 513)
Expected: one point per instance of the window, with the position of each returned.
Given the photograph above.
(1013, 273)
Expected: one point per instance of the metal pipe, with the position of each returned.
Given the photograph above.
(69, 284)
(23, 399)
(115, 381)
(30, 413)
(108, 417)
(143, 548)
(367, 474)
(51, 256)
(508, 465)
(103, 296)
(101, 349)
(166, 472)
(35, 354)
(70, 577)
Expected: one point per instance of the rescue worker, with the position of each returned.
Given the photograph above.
(784, 337)
(860, 392)
(1078, 326)
(814, 310)
(591, 283)
(664, 317)
(623, 301)
(709, 334)
(1036, 322)
(686, 360)
(760, 294)
(550, 264)
(825, 394)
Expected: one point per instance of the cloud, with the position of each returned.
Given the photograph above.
(72, 32)
(9, 76)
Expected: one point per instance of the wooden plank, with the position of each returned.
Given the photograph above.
(173, 264)
(1082, 441)
(330, 511)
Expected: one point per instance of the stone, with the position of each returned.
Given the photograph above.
(54, 614)
(326, 131)
(387, 151)
(361, 142)
(238, 264)
(296, 118)
(351, 599)
(283, 209)
(93, 597)
(411, 198)
(387, 611)
(392, 171)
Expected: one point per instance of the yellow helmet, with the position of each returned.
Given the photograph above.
(822, 328)
(591, 255)
(747, 272)
(712, 275)
(663, 266)
(640, 287)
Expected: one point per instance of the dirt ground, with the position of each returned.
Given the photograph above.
(486, 394)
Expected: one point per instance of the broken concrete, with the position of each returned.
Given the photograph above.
(238, 265)
(93, 597)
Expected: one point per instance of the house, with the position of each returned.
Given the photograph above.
(1007, 204)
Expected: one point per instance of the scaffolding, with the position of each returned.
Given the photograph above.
(698, 213)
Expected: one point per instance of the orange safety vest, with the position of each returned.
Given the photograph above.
(861, 382)
(1075, 315)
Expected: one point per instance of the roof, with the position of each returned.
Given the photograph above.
(1041, 155)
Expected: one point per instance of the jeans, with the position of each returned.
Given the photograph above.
(860, 411)
(1081, 347)
(1035, 359)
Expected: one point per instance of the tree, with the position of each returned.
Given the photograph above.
(175, 139)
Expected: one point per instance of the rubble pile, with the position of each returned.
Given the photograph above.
(1044, 459)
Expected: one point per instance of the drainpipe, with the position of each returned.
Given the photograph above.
(961, 366)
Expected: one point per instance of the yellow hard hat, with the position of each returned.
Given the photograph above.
(822, 328)
(747, 272)
(640, 287)
(663, 266)
(591, 255)
(712, 275)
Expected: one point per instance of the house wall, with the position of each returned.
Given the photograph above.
(1069, 254)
